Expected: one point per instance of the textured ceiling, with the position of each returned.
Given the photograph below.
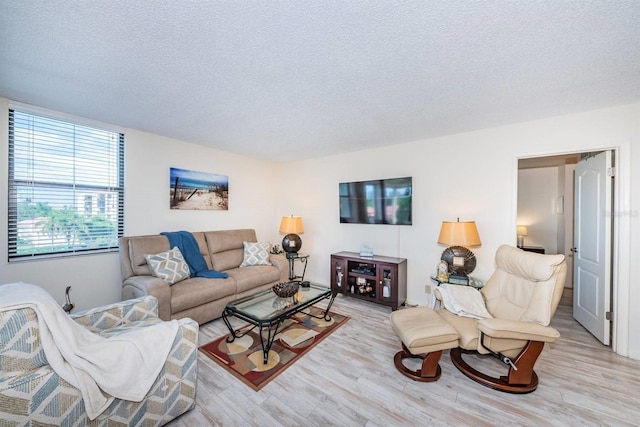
(290, 79)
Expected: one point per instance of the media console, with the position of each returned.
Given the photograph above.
(378, 279)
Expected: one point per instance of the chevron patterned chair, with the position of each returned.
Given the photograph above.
(31, 393)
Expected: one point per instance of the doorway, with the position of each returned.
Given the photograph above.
(546, 221)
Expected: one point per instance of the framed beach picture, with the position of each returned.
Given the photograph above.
(198, 190)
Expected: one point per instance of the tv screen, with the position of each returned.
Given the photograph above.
(382, 201)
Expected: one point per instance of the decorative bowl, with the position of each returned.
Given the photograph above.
(286, 289)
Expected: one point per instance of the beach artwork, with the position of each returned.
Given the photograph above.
(198, 190)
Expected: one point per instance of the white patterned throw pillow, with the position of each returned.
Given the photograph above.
(256, 254)
(170, 266)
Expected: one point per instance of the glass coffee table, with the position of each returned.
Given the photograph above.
(267, 311)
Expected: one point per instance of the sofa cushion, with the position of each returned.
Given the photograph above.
(202, 247)
(226, 247)
(250, 278)
(141, 246)
(199, 290)
(170, 266)
(256, 254)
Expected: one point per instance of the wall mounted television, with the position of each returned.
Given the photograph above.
(380, 201)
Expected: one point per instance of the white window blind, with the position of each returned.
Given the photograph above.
(66, 187)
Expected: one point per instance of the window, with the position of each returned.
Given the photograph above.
(66, 187)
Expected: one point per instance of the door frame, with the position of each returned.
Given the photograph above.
(621, 235)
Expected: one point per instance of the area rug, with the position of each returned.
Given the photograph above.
(244, 357)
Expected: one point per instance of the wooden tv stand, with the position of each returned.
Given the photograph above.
(378, 279)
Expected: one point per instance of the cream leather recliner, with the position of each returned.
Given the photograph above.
(522, 295)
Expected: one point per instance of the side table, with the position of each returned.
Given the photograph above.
(473, 282)
(536, 249)
(292, 271)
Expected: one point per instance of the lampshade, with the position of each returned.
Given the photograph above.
(291, 243)
(522, 230)
(291, 225)
(458, 233)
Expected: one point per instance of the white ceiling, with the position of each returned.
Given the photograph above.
(292, 79)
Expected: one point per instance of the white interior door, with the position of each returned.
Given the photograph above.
(592, 244)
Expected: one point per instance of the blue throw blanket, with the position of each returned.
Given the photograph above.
(189, 248)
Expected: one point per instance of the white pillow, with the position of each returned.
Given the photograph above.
(256, 254)
(170, 266)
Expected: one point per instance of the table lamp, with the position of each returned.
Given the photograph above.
(521, 231)
(458, 235)
(292, 226)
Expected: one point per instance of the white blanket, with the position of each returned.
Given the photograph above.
(464, 301)
(123, 366)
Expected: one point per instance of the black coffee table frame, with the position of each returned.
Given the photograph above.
(255, 310)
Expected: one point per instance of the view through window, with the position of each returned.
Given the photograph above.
(65, 187)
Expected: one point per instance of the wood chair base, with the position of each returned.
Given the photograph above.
(503, 383)
(429, 370)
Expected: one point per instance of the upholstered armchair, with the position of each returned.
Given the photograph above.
(522, 295)
(32, 393)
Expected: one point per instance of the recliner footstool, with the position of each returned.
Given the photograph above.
(424, 334)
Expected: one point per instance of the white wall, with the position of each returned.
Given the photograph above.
(95, 279)
(559, 214)
(548, 218)
(537, 201)
(253, 188)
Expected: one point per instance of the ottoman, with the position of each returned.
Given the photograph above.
(424, 334)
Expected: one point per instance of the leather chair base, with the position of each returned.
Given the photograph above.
(429, 370)
(500, 383)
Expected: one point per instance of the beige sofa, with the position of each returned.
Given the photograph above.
(199, 298)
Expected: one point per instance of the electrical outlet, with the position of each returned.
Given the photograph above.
(427, 289)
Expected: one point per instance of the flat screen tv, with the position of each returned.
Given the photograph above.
(381, 201)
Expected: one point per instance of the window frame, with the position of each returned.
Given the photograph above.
(13, 228)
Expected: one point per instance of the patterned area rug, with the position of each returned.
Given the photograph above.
(244, 357)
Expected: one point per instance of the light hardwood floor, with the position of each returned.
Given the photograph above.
(349, 380)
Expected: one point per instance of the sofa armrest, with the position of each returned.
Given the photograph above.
(138, 286)
(514, 329)
(20, 344)
(118, 314)
(283, 265)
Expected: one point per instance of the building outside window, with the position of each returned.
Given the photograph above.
(66, 186)
(87, 205)
(101, 204)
